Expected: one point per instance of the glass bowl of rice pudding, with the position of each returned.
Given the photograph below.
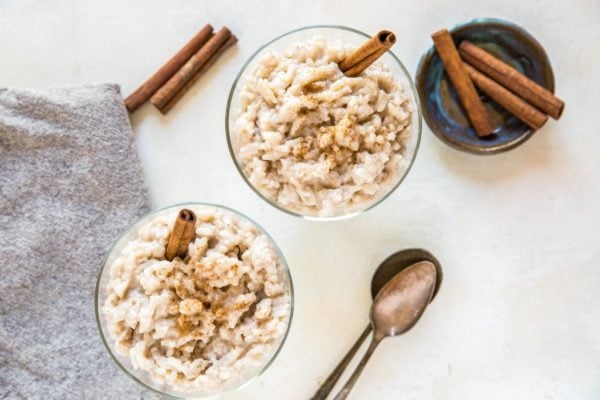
(201, 326)
(313, 142)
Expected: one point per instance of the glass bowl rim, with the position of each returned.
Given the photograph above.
(104, 265)
(419, 126)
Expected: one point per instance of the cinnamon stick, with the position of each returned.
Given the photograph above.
(509, 77)
(169, 104)
(365, 55)
(148, 88)
(357, 69)
(512, 103)
(462, 83)
(182, 235)
(189, 69)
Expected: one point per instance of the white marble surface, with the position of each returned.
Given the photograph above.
(518, 316)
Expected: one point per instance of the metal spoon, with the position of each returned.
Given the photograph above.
(384, 273)
(396, 309)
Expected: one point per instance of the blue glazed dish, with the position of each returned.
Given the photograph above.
(440, 105)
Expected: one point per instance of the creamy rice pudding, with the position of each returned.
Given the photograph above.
(201, 323)
(315, 141)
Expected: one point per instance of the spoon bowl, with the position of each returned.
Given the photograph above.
(401, 302)
(398, 262)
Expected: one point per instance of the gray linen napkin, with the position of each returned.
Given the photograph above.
(70, 182)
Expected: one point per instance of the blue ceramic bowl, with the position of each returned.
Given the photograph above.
(440, 105)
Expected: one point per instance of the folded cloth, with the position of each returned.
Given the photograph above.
(70, 182)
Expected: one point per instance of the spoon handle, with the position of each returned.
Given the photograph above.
(332, 379)
(359, 368)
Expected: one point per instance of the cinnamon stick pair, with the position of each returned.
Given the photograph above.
(513, 104)
(512, 79)
(148, 88)
(501, 82)
(168, 96)
(164, 97)
(182, 235)
(167, 85)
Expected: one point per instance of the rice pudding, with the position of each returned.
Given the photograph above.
(208, 321)
(316, 142)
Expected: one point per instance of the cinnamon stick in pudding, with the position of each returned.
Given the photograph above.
(148, 88)
(162, 97)
(169, 104)
(182, 235)
(364, 64)
(512, 79)
(365, 55)
(512, 103)
(465, 89)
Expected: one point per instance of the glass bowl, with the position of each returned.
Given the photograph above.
(349, 36)
(142, 377)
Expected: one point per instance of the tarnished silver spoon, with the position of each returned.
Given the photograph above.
(396, 309)
(383, 274)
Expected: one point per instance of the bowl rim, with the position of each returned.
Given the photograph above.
(104, 266)
(425, 61)
(418, 126)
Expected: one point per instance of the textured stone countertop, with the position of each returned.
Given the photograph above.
(518, 315)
